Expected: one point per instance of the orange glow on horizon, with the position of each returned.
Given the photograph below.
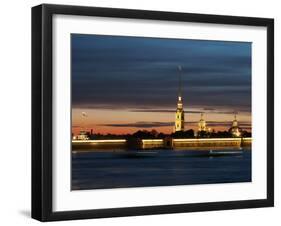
(122, 121)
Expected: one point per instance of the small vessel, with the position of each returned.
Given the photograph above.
(213, 153)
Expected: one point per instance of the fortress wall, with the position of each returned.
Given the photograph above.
(246, 142)
(209, 142)
(197, 143)
(153, 143)
(161, 143)
(99, 144)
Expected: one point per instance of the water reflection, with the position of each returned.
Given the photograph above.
(130, 168)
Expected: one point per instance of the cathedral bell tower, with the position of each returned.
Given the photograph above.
(179, 121)
(235, 130)
(202, 124)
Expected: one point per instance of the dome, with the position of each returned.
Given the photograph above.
(202, 124)
(235, 130)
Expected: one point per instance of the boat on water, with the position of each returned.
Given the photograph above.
(214, 153)
(165, 153)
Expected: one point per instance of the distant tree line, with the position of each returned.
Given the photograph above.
(153, 134)
(221, 134)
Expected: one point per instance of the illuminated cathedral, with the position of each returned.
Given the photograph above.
(202, 124)
(179, 121)
(235, 130)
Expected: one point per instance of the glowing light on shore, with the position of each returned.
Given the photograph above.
(161, 140)
(99, 141)
(152, 140)
(211, 139)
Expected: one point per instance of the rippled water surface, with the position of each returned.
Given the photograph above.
(99, 170)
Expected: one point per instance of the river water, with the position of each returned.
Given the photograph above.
(100, 170)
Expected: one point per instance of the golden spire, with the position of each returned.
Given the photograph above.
(235, 122)
(179, 119)
(180, 88)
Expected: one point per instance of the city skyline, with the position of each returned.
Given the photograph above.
(126, 84)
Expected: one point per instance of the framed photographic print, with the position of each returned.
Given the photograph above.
(146, 112)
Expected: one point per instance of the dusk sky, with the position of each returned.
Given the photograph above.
(125, 84)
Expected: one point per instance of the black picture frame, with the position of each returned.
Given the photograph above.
(42, 111)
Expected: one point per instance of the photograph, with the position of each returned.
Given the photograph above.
(143, 112)
(150, 111)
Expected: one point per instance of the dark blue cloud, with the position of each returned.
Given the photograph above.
(136, 72)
